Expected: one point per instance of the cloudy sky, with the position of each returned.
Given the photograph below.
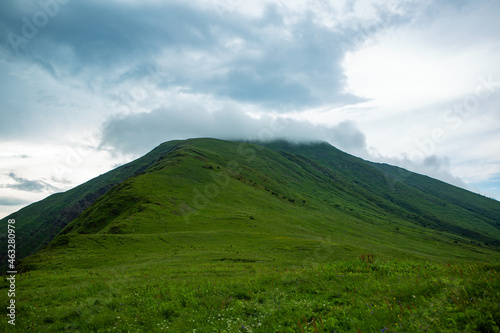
(89, 85)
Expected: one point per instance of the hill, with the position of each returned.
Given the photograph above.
(200, 213)
(204, 185)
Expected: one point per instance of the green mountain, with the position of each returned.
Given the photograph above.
(304, 193)
(206, 225)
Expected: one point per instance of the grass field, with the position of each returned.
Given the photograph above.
(213, 236)
(361, 295)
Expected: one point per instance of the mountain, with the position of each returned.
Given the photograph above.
(215, 236)
(260, 201)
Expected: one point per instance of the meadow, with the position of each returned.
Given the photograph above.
(204, 236)
(365, 294)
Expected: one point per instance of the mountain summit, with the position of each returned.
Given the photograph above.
(262, 201)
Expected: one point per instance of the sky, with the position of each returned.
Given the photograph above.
(87, 86)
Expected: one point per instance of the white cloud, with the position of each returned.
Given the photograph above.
(403, 71)
(135, 134)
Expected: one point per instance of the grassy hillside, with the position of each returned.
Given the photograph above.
(39, 223)
(283, 200)
(420, 199)
(225, 236)
(476, 206)
(348, 184)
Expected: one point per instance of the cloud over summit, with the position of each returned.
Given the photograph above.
(138, 133)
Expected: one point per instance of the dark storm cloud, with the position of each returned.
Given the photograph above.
(23, 184)
(275, 63)
(100, 33)
(295, 65)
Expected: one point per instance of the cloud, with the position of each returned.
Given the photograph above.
(267, 60)
(23, 184)
(436, 167)
(11, 201)
(137, 133)
(439, 168)
(431, 60)
(36, 107)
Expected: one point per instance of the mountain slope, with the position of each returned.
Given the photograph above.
(205, 199)
(40, 222)
(421, 199)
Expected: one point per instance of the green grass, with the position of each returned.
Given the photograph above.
(235, 296)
